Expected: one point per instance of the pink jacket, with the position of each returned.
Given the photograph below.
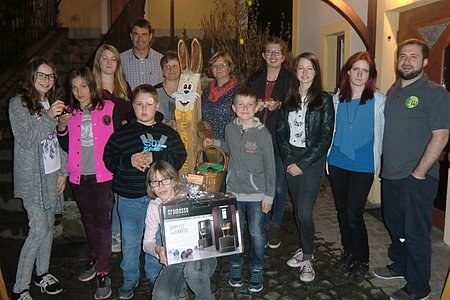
(102, 128)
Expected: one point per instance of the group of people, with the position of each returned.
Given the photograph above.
(114, 139)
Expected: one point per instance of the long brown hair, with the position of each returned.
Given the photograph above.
(315, 91)
(27, 90)
(345, 89)
(86, 74)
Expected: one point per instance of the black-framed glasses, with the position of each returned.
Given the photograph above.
(43, 76)
(157, 183)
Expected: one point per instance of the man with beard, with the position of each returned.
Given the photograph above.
(417, 115)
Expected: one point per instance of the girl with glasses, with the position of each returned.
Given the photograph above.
(39, 172)
(163, 185)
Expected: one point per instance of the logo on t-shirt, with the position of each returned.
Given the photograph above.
(152, 145)
(250, 147)
(411, 102)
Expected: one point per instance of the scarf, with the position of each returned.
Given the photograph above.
(215, 92)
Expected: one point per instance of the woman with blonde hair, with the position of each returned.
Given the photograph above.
(111, 85)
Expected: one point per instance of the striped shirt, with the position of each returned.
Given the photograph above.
(138, 71)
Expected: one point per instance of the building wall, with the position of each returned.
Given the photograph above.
(82, 17)
(188, 15)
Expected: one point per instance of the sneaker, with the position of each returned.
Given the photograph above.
(273, 240)
(386, 273)
(127, 292)
(235, 277)
(89, 272)
(345, 263)
(296, 260)
(255, 284)
(103, 287)
(23, 295)
(116, 246)
(307, 273)
(406, 294)
(48, 284)
(358, 272)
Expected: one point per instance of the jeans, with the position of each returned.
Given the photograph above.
(115, 220)
(257, 237)
(94, 201)
(38, 245)
(304, 190)
(407, 212)
(196, 274)
(275, 217)
(132, 212)
(350, 191)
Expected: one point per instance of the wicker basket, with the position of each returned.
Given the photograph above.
(211, 179)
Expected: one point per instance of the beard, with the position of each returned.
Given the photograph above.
(411, 75)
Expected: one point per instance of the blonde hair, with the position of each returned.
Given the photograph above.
(120, 84)
(166, 170)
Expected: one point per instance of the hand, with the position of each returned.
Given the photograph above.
(63, 120)
(60, 184)
(418, 176)
(56, 109)
(208, 142)
(141, 160)
(266, 207)
(294, 170)
(162, 254)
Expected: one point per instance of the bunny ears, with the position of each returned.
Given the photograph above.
(196, 56)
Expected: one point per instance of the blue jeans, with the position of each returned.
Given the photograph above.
(115, 220)
(132, 212)
(251, 211)
(196, 274)
(275, 217)
(407, 211)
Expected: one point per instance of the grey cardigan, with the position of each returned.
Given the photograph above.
(251, 170)
(30, 181)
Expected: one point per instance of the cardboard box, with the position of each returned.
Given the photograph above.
(200, 228)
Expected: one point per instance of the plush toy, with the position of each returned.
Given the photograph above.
(188, 101)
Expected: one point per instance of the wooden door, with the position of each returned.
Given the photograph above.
(116, 8)
(432, 23)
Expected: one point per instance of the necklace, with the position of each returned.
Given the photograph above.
(350, 121)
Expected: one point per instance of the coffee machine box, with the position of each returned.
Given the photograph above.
(201, 227)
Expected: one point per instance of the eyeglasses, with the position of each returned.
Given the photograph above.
(219, 66)
(43, 76)
(273, 52)
(157, 183)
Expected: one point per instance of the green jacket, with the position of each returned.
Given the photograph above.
(319, 133)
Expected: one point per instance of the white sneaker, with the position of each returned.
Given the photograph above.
(307, 273)
(116, 246)
(296, 260)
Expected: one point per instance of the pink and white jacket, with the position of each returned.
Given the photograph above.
(102, 128)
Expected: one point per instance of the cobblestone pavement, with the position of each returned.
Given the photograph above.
(281, 281)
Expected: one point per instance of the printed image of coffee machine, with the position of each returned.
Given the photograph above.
(225, 228)
(205, 234)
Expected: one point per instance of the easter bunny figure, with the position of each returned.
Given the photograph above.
(187, 101)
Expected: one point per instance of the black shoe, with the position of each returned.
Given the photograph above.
(358, 272)
(345, 263)
(48, 284)
(386, 272)
(23, 295)
(405, 294)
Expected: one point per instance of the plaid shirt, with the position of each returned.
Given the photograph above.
(138, 71)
